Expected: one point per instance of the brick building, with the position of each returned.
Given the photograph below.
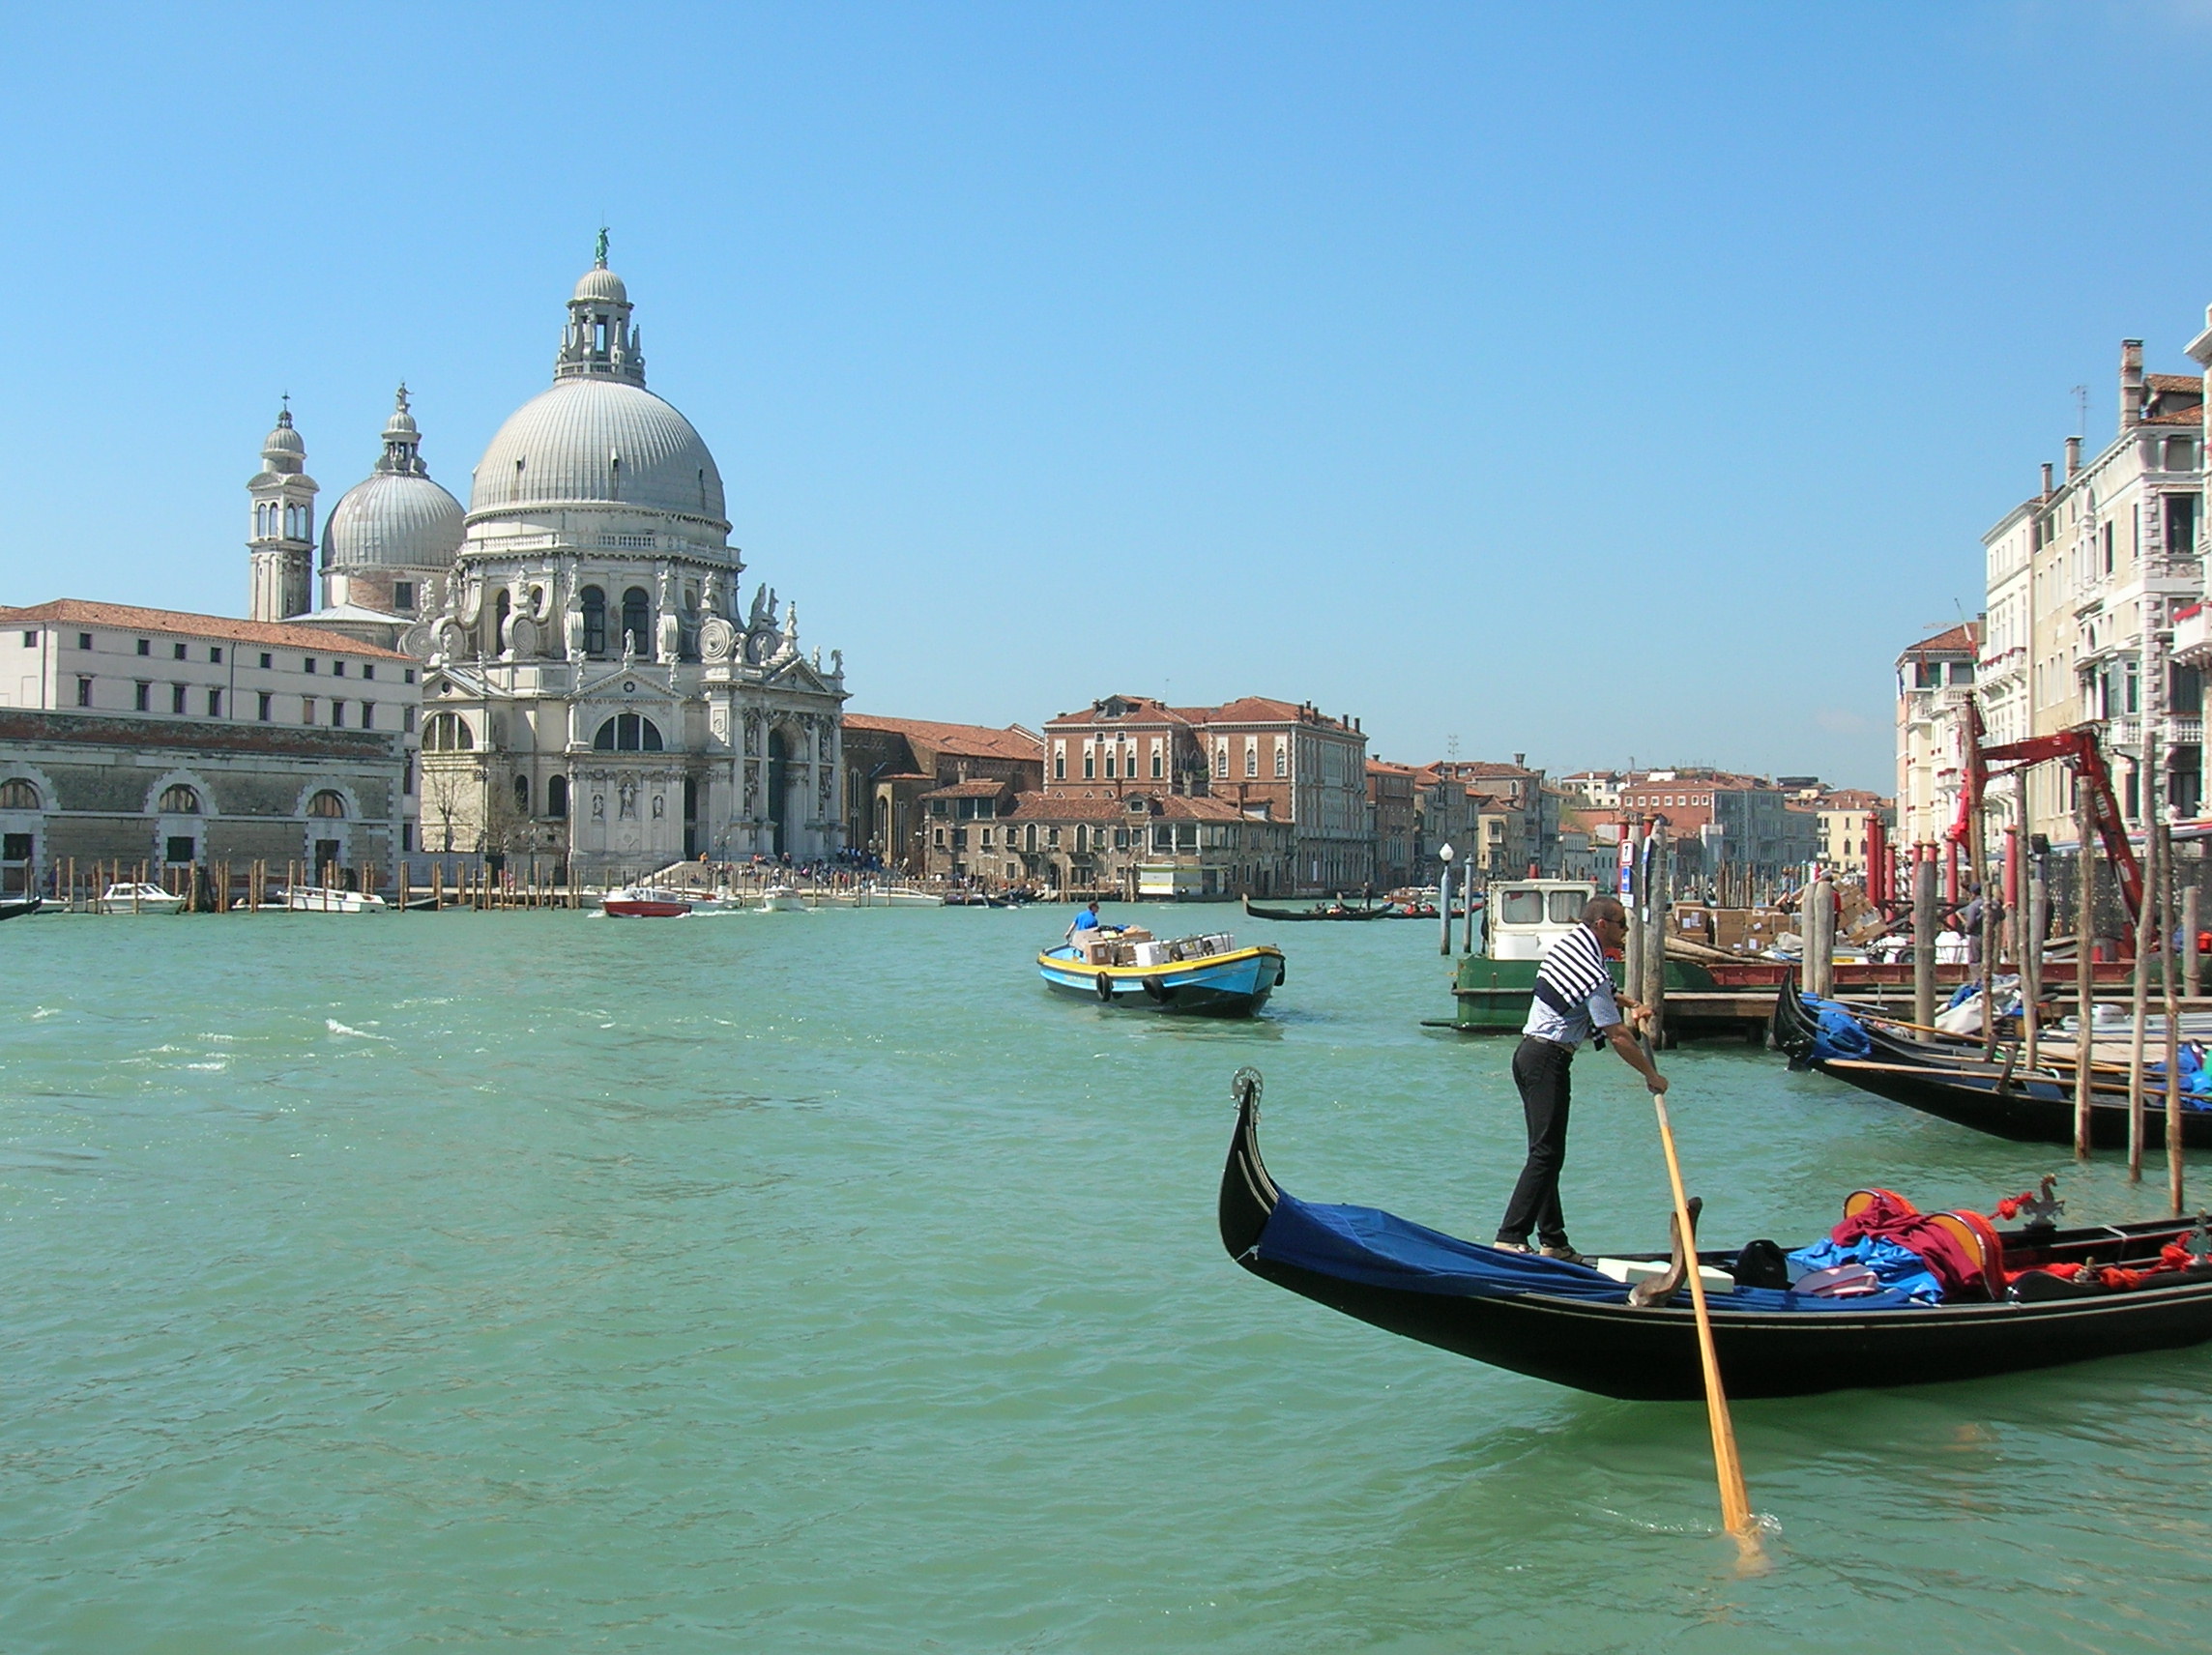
(1390, 790)
(891, 763)
(1518, 822)
(1745, 822)
(1269, 760)
(1135, 843)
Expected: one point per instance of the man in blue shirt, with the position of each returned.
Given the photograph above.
(1087, 920)
(1574, 1001)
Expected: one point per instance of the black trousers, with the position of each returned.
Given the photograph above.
(1540, 1070)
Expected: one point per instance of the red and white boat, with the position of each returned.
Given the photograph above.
(645, 902)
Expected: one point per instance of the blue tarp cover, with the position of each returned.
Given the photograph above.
(1897, 1266)
(1837, 1033)
(1366, 1244)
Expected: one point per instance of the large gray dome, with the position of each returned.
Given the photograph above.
(406, 521)
(598, 441)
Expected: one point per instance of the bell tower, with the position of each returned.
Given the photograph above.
(281, 548)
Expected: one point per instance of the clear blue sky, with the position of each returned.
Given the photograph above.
(1586, 382)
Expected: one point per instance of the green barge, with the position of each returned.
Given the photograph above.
(1492, 990)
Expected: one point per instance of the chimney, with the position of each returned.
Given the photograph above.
(2131, 383)
(2072, 457)
(2046, 479)
(1520, 761)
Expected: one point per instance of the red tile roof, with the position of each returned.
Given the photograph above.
(984, 789)
(2185, 382)
(966, 741)
(1142, 710)
(1960, 640)
(128, 618)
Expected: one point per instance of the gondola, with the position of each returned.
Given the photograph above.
(1335, 911)
(1954, 1085)
(15, 908)
(1791, 1029)
(1572, 1326)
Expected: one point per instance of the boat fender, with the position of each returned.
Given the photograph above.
(1282, 971)
(1156, 991)
(1105, 987)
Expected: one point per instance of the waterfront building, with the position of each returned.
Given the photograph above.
(1518, 829)
(1848, 818)
(1935, 687)
(1390, 790)
(1444, 813)
(1135, 842)
(1270, 760)
(891, 763)
(595, 688)
(171, 738)
(1715, 816)
(2087, 581)
(1593, 790)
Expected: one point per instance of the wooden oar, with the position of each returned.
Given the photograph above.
(1735, 1500)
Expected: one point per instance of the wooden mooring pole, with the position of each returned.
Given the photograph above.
(1924, 937)
(2084, 964)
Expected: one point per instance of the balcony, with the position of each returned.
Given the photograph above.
(2193, 635)
(2125, 735)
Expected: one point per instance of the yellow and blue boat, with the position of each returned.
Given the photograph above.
(1205, 974)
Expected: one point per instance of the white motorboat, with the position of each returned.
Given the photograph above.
(782, 899)
(316, 899)
(136, 896)
(895, 896)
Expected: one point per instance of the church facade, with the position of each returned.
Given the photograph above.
(595, 686)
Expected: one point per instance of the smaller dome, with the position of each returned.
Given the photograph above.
(397, 519)
(601, 286)
(284, 449)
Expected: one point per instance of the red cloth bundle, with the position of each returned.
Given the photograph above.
(1885, 1216)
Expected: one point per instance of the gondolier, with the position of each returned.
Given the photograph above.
(1574, 1001)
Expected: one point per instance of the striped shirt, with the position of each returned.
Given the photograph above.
(1574, 991)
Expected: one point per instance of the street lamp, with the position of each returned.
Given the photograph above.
(1444, 894)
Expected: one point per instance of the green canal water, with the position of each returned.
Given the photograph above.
(820, 1283)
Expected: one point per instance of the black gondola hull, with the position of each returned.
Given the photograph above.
(1651, 1354)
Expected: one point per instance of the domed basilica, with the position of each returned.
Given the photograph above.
(593, 686)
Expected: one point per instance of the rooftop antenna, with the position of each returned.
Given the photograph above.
(2081, 410)
(1451, 747)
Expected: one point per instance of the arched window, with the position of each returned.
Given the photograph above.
(18, 796)
(328, 804)
(595, 621)
(448, 732)
(180, 801)
(499, 619)
(636, 622)
(557, 796)
(628, 733)
(522, 794)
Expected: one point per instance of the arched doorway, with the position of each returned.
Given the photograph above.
(779, 791)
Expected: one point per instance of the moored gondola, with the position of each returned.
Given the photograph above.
(2033, 1109)
(1953, 1082)
(1575, 1326)
(1333, 910)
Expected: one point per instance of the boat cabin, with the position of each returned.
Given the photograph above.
(1522, 917)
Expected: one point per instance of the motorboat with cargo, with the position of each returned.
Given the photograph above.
(1207, 973)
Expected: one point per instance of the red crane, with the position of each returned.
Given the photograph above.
(2077, 748)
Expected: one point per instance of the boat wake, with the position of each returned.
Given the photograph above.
(337, 1028)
